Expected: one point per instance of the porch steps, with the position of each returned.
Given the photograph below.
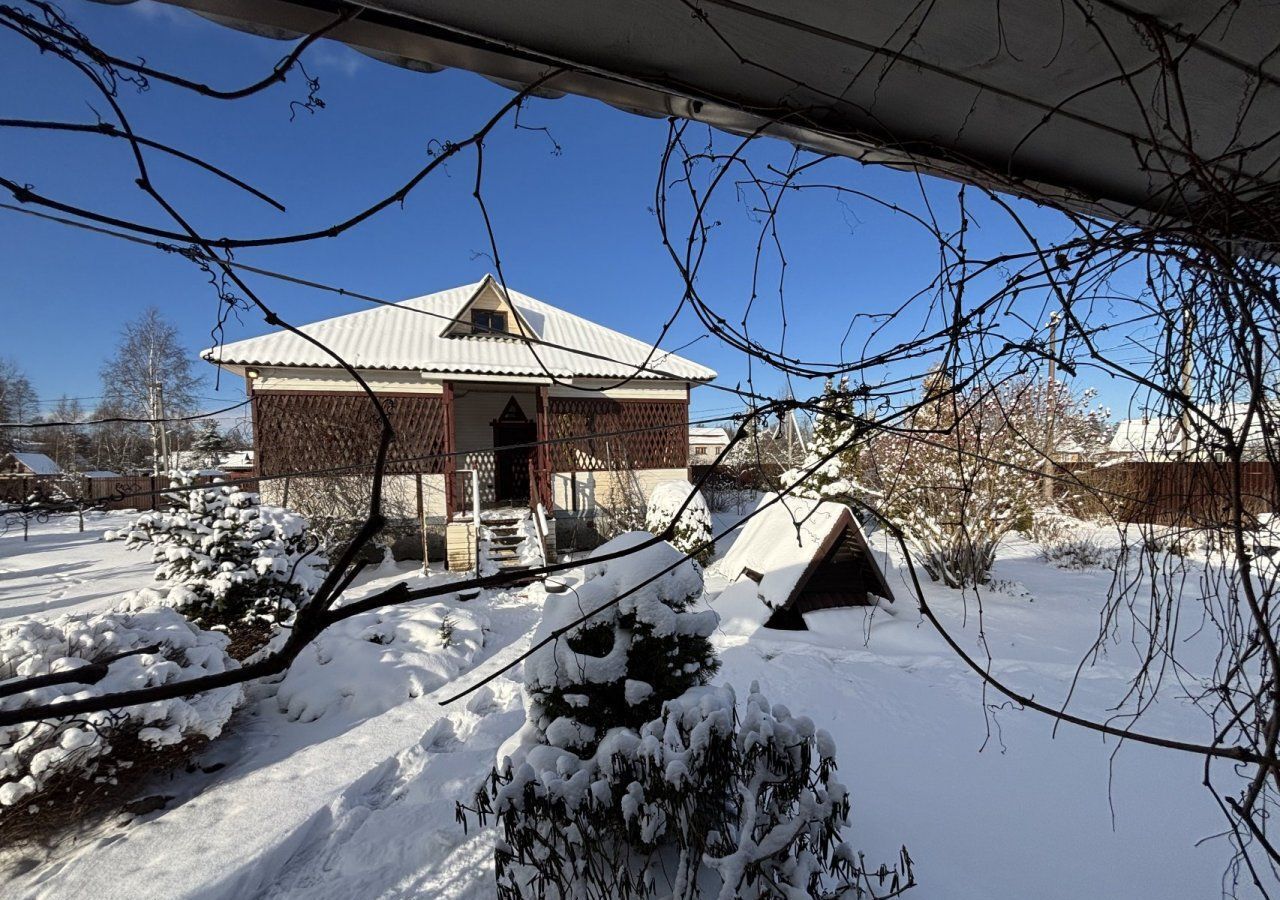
(506, 536)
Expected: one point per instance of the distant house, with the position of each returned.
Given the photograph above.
(705, 444)
(237, 461)
(794, 557)
(1161, 438)
(545, 407)
(19, 462)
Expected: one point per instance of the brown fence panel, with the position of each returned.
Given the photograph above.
(1196, 494)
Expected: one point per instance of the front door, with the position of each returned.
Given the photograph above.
(513, 438)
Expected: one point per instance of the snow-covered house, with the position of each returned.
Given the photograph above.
(236, 461)
(796, 556)
(1161, 438)
(22, 462)
(544, 406)
(705, 444)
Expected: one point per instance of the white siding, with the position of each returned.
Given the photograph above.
(598, 492)
(400, 500)
(338, 380)
(596, 387)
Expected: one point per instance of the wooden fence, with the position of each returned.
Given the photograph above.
(122, 492)
(1195, 494)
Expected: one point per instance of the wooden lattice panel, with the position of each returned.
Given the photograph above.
(608, 434)
(299, 432)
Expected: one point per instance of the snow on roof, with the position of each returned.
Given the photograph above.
(388, 337)
(1161, 436)
(38, 463)
(238, 459)
(100, 473)
(708, 434)
(769, 543)
(772, 547)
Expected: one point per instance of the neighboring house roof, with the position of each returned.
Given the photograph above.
(237, 459)
(415, 334)
(718, 435)
(776, 567)
(37, 463)
(100, 473)
(1161, 436)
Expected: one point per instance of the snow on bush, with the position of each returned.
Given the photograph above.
(694, 525)
(962, 476)
(618, 667)
(367, 664)
(632, 778)
(227, 558)
(37, 758)
(1065, 542)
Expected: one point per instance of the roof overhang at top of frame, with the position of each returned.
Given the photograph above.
(1056, 99)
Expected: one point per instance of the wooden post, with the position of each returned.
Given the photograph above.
(422, 517)
(1046, 482)
(542, 453)
(450, 461)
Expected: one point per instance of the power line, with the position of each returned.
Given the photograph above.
(109, 420)
(367, 298)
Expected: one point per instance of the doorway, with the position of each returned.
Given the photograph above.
(513, 437)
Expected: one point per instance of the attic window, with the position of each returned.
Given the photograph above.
(488, 321)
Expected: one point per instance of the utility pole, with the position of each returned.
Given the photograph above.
(1046, 483)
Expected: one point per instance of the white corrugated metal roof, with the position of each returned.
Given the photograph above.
(410, 335)
(38, 463)
(1160, 437)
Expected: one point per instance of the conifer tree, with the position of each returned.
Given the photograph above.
(227, 563)
(692, 532)
(836, 423)
(209, 443)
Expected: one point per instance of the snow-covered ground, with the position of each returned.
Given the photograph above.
(341, 781)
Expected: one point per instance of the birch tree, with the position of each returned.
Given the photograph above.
(150, 362)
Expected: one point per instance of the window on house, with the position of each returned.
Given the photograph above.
(699, 451)
(488, 321)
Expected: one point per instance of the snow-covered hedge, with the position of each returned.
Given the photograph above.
(38, 758)
(694, 525)
(227, 558)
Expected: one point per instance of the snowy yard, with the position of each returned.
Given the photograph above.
(340, 781)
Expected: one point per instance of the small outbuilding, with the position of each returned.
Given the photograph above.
(19, 462)
(798, 556)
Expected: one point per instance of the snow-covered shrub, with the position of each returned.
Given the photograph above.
(73, 762)
(619, 666)
(693, 528)
(1079, 552)
(227, 558)
(962, 477)
(365, 665)
(634, 779)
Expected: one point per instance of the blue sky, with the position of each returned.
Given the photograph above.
(576, 228)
